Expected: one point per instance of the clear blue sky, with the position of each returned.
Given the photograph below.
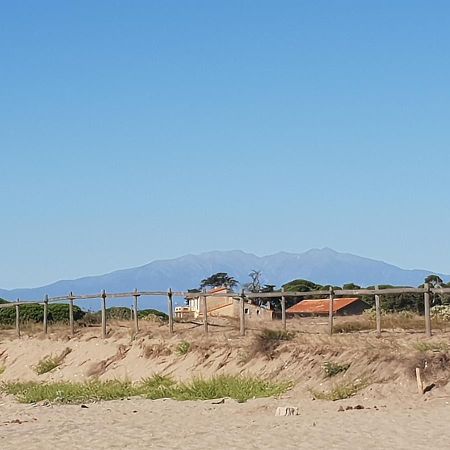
(139, 130)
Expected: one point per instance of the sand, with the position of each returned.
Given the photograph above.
(402, 419)
(165, 424)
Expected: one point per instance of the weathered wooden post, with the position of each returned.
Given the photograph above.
(283, 310)
(135, 310)
(426, 299)
(17, 319)
(170, 305)
(103, 314)
(242, 314)
(331, 312)
(45, 314)
(378, 312)
(205, 311)
(71, 322)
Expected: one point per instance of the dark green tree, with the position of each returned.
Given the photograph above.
(219, 279)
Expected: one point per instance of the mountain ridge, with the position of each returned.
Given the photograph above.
(325, 266)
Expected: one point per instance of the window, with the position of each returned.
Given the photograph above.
(246, 310)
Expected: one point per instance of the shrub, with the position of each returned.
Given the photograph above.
(331, 369)
(57, 312)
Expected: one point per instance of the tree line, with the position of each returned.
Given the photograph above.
(389, 303)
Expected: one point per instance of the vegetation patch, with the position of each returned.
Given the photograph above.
(2, 370)
(57, 312)
(340, 391)
(183, 347)
(268, 341)
(431, 346)
(49, 363)
(157, 386)
(331, 369)
(67, 392)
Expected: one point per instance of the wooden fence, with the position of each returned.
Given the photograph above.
(331, 294)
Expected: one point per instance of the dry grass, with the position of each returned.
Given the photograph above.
(389, 322)
(340, 391)
(267, 342)
(155, 350)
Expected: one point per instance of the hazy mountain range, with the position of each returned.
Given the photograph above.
(324, 266)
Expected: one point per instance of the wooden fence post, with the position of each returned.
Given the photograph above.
(205, 312)
(71, 323)
(135, 310)
(17, 319)
(170, 305)
(330, 312)
(378, 312)
(283, 310)
(103, 314)
(242, 314)
(45, 314)
(426, 299)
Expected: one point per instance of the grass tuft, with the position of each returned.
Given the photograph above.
(49, 363)
(331, 369)
(157, 386)
(431, 346)
(340, 391)
(183, 347)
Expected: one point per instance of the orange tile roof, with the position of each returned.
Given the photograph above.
(320, 306)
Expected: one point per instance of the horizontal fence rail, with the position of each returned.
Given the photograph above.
(330, 294)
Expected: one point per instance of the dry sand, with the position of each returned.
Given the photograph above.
(402, 419)
(166, 424)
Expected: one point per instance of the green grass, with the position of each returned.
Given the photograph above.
(235, 387)
(431, 346)
(66, 392)
(340, 391)
(2, 369)
(47, 365)
(183, 347)
(331, 369)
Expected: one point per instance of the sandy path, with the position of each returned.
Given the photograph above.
(164, 424)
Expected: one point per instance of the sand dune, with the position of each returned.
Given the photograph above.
(394, 414)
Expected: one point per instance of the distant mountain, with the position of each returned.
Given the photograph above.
(324, 266)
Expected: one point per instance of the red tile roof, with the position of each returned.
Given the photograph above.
(320, 306)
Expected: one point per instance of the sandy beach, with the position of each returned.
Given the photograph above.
(164, 424)
(394, 415)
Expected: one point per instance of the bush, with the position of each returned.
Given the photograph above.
(331, 369)
(57, 312)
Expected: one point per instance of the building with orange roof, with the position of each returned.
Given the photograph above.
(320, 307)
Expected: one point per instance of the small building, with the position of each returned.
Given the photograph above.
(320, 307)
(222, 306)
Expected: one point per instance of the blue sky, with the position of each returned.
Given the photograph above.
(139, 130)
